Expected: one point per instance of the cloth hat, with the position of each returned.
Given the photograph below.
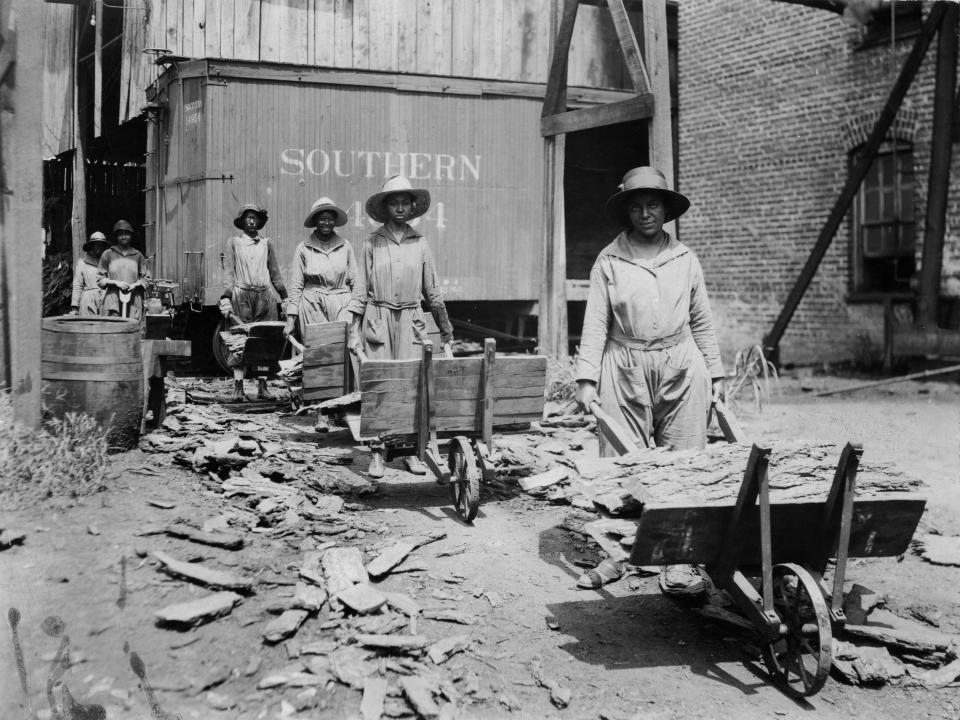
(261, 214)
(321, 205)
(123, 225)
(645, 178)
(96, 237)
(397, 184)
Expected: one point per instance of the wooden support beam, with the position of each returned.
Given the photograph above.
(628, 44)
(635, 108)
(771, 343)
(98, 71)
(931, 266)
(660, 128)
(561, 33)
(21, 207)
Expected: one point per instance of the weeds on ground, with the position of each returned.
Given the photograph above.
(65, 458)
(561, 379)
(751, 376)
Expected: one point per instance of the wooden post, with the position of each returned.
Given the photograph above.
(771, 343)
(660, 128)
(21, 204)
(78, 217)
(928, 288)
(486, 389)
(552, 329)
(97, 70)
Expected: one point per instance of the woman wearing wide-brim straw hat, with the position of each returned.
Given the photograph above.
(396, 270)
(122, 273)
(321, 275)
(648, 351)
(87, 297)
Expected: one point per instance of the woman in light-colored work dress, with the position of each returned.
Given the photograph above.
(648, 352)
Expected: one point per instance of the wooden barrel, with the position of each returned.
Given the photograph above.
(93, 365)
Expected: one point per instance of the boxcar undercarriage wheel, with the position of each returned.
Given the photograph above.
(800, 659)
(464, 479)
(220, 351)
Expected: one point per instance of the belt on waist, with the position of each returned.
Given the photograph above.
(256, 288)
(394, 305)
(661, 343)
(327, 291)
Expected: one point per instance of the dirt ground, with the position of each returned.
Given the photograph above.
(625, 651)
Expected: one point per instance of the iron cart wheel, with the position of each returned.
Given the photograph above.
(464, 479)
(800, 659)
(221, 352)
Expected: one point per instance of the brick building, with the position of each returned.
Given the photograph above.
(775, 100)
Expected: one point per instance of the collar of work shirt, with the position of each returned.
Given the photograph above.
(620, 249)
(385, 232)
(324, 246)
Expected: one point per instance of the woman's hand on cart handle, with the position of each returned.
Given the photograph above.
(358, 351)
(288, 328)
(719, 391)
(448, 350)
(586, 394)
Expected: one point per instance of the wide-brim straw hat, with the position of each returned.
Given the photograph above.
(397, 184)
(95, 237)
(325, 204)
(648, 179)
(260, 212)
(123, 225)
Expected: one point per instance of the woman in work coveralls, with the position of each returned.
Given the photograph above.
(648, 352)
(321, 276)
(396, 270)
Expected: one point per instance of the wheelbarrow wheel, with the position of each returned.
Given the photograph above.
(464, 479)
(800, 659)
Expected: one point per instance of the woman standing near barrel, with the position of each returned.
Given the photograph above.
(648, 352)
(87, 296)
(123, 274)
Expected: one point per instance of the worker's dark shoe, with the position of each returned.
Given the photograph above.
(263, 392)
(415, 465)
(376, 464)
(321, 425)
(238, 394)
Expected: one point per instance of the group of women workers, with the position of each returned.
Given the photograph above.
(110, 279)
(379, 294)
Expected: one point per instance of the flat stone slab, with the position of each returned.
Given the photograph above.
(197, 612)
(203, 575)
(284, 626)
(362, 598)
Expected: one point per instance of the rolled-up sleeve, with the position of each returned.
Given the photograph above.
(77, 285)
(596, 322)
(701, 322)
(229, 270)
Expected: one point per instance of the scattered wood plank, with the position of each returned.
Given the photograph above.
(884, 627)
(197, 612)
(445, 615)
(403, 603)
(203, 575)
(393, 642)
(215, 539)
(545, 479)
(284, 626)
(390, 558)
(939, 549)
(162, 504)
(309, 597)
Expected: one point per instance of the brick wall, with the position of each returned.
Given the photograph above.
(773, 97)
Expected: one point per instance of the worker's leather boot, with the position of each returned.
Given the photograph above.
(238, 394)
(415, 465)
(263, 393)
(376, 464)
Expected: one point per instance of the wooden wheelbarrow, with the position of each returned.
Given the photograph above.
(786, 545)
(434, 406)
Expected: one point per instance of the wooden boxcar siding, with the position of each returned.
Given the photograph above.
(490, 39)
(278, 143)
(183, 195)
